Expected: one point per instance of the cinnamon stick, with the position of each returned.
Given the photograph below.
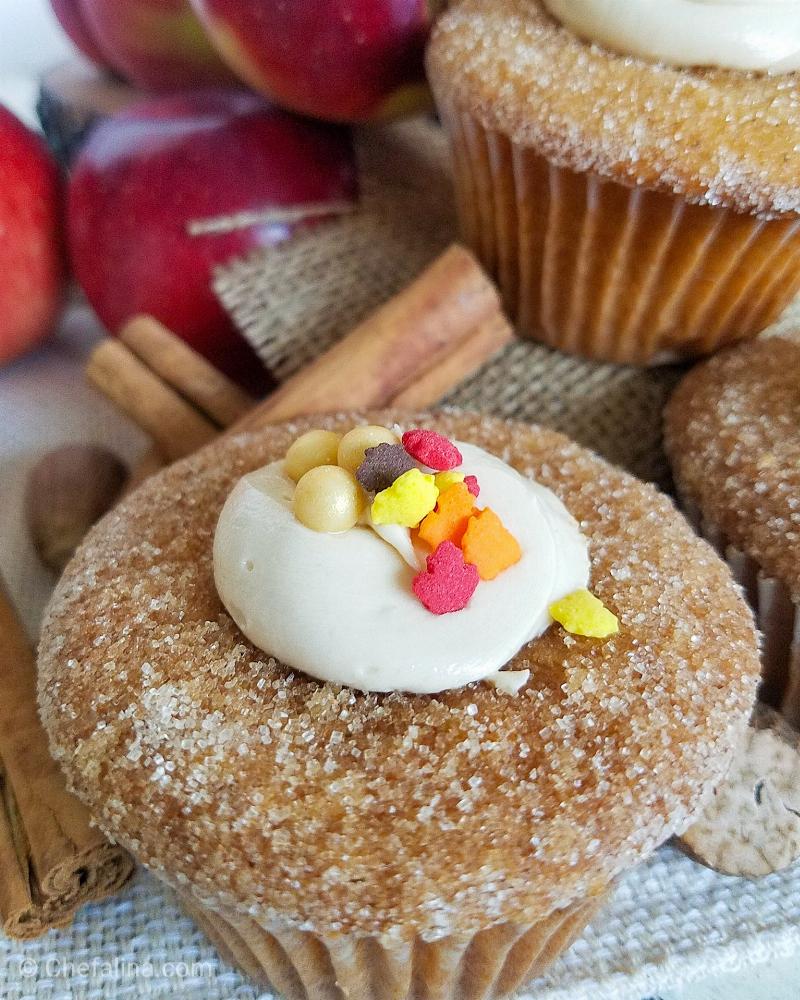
(51, 859)
(195, 379)
(23, 912)
(175, 425)
(440, 379)
(408, 353)
(415, 347)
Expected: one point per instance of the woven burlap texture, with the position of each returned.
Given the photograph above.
(294, 299)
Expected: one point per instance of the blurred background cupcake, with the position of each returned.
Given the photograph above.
(628, 171)
(730, 431)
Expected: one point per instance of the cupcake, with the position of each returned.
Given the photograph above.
(391, 708)
(633, 208)
(731, 433)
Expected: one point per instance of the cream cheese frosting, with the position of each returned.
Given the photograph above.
(733, 34)
(340, 607)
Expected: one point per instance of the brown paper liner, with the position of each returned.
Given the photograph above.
(598, 269)
(778, 619)
(299, 965)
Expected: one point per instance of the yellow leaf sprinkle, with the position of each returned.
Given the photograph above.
(444, 480)
(410, 498)
(581, 613)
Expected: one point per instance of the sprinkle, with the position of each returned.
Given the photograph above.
(444, 480)
(432, 449)
(581, 613)
(406, 501)
(382, 465)
(449, 521)
(489, 545)
(448, 583)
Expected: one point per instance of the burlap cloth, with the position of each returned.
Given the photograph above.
(293, 300)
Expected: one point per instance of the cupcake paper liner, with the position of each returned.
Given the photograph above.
(620, 274)
(299, 965)
(778, 619)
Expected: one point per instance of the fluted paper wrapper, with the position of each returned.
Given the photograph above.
(299, 965)
(618, 274)
(777, 616)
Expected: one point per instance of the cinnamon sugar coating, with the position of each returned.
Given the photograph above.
(732, 432)
(301, 802)
(712, 136)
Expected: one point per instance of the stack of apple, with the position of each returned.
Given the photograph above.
(182, 181)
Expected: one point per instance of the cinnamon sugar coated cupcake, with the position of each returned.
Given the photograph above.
(731, 432)
(633, 208)
(353, 839)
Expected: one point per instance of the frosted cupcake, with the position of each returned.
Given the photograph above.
(633, 208)
(392, 707)
(732, 432)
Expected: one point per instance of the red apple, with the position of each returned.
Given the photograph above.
(31, 257)
(154, 44)
(157, 197)
(72, 19)
(343, 60)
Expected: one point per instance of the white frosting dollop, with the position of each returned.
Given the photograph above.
(734, 34)
(340, 607)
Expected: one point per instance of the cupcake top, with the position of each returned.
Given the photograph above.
(306, 802)
(713, 136)
(732, 435)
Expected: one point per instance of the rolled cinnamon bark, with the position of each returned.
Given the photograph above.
(416, 347)
(52, 860)
(23, 912)
(410, 352)
(470, 355)
(176, 426)
(194, 378)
